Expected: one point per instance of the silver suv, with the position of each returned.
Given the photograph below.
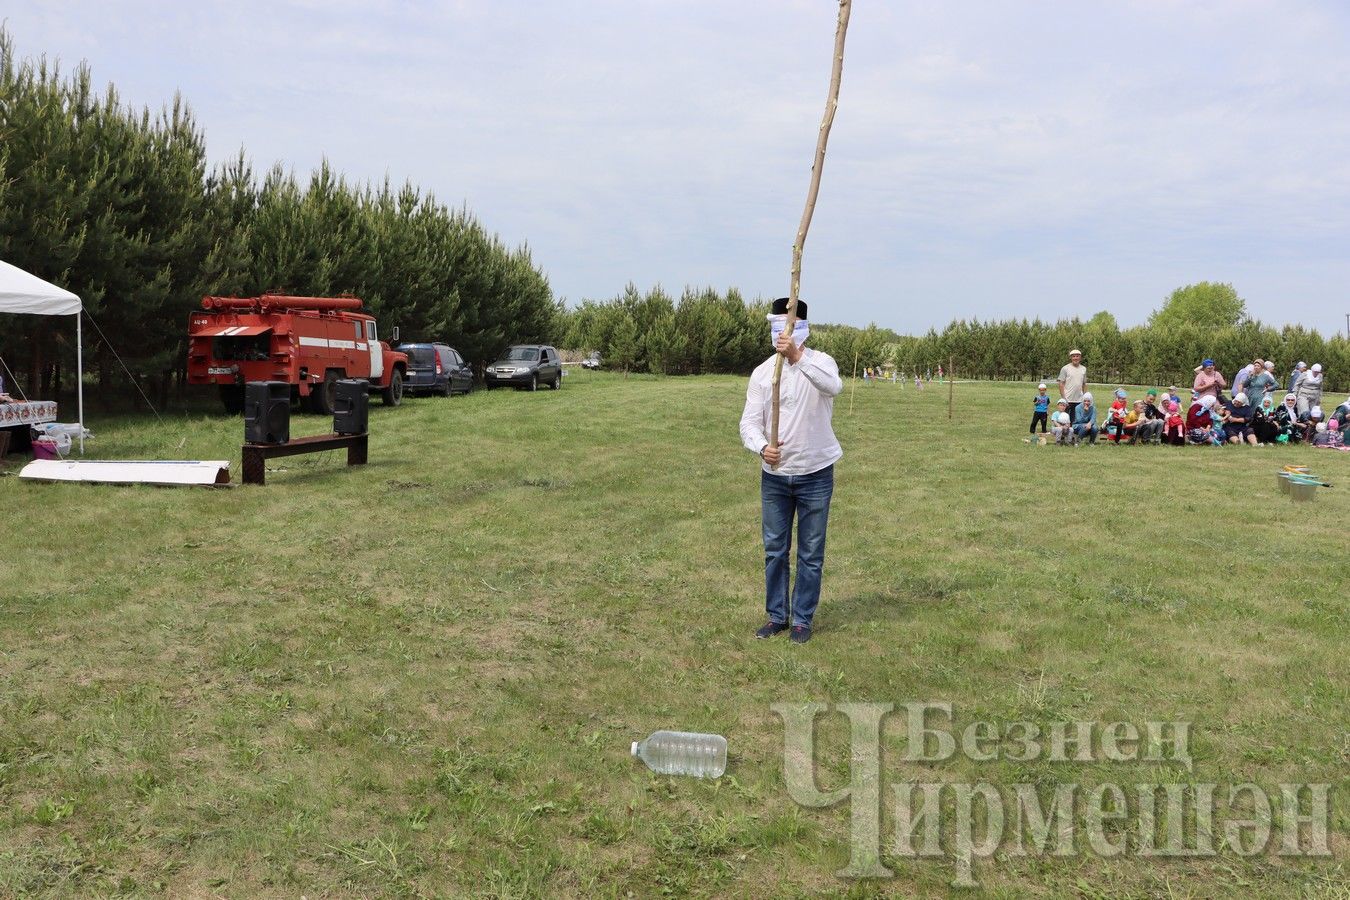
(526, 366)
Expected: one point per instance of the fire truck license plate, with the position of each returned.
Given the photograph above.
(219, 370)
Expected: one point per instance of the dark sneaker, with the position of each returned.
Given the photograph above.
(800, 634)
(769, 629)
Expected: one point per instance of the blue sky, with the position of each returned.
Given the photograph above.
(989, 159)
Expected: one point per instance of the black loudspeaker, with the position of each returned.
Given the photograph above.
(351, 410)
(267, 412)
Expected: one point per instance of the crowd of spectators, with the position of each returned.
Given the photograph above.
(1253, 411)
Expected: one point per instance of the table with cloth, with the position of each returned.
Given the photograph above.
(17, 418)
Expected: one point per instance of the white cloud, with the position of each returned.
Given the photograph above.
(988, 158)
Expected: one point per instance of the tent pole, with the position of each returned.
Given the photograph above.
(79, 369)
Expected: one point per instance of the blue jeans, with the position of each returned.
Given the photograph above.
(808, 497)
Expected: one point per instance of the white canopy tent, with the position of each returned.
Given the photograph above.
(21, 292)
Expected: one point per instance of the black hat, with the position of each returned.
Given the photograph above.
(780, 308)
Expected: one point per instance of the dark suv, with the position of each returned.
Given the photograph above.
(526, 366)
(436, 369)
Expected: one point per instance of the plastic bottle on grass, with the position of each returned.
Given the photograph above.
(683, 753)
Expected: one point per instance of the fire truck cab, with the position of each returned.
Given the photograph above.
(308, 342)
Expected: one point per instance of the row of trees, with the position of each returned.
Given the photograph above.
(703, 332)
(710, 332)
(120, 206)
(1194, 322)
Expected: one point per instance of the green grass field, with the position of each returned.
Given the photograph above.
(422, 677)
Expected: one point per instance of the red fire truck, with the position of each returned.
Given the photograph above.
(310, 342)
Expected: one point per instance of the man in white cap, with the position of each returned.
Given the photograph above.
(1072, 381)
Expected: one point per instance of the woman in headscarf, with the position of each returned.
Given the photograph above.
(1237, 423)
(1342, 414)
(1085, 419)
(1311, 421)
(1309, 390)
(1264, 426)
(1261, 384)
(1286, 417)
(1200, 420)
(1209, 380)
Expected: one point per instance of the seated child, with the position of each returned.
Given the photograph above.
(1174, 426)
(1139, 428)
(1154, 406)
(1063, 427)
(1114, 426)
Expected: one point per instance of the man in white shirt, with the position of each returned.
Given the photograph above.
(797, 476)
(1072, 382)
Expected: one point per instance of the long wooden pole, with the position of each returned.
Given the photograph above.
(836, 73)
(854, 389)
(951, 387)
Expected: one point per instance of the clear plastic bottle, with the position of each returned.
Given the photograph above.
(683, 753)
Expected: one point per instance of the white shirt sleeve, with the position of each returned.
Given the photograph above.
(752, 419)
(822, 371)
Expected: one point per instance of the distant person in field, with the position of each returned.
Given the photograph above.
(1309, 390)
(1073, 381)
(1286, 416)
(918, 380)
(1295, 375)
(1311, 421)
(1342, 414)
(1237, 427)
(1209, 381)
(1264, 426)
(1245, 373)
(1200, 420)
(1040, 408)
(1114, 425)
(1063, 425)
(1174, 426)
(797, 477)
(1085, 420)
(1140, 428)
(1260, 384)
(1153, 407)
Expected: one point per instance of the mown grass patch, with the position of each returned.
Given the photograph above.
(421, 678)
